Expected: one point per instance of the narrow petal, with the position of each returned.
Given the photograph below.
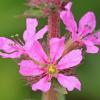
(56, 48)
(69, 21)
(90, 47)
(68, 6)
(29, 68)
(28, 44)
(87, 24)
(43, 85)
(36, 52)
(6, 45)
(12, 55)
(31, 24)
(69, 82)
(41, 33)
(71, 59)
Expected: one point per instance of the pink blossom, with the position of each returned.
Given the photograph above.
(84, 33)
(52, 65)
(13, 48)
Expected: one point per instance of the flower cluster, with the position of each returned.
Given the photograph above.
(43, 8)
(58, 3)
(41, 64)
(14, 47)
(84, 34)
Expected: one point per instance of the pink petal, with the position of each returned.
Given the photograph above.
(12, 55)
(69, 21)
(75, 37)
(71, 59)
(91, 38)
(5, 45)
(30, 34)
(90, 47)
(36, 52)
(56, 48)
(41, 33)
(29, 68)
(68, 6)
(31, 24)
(28, 44)
(97, 40)
(43, 85)
(69, 82)
(87, 24)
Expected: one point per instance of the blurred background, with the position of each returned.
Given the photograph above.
(13, 87)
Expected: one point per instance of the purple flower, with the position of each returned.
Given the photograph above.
(14, 48)
(84, 32)
(51, 65)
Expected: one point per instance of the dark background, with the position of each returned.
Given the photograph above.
(12, 87)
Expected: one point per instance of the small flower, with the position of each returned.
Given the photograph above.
(84, 33)
(14, 48)
(53, 66)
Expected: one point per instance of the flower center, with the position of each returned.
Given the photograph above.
(52, 69)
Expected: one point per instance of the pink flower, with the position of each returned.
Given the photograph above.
(13, 48)
(84, 33)
(52, 65)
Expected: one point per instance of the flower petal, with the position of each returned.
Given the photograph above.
(36, 52)
(90, 47)
(29, 68)
(31, 24)
(43, 85)
(30, 34)
(87, 24)
(68, 6)
(6, 45)
(69, 82)
(71, 59)
(41, 33)
(91, 37)
(56, 48)
(68, 19)
(12, 55)
(97, 40)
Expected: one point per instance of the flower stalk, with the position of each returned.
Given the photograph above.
(53, 25)
(50, 95)
(53, 31)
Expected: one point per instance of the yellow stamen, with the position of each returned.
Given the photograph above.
(52, 69)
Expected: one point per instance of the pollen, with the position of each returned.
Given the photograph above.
(52, 69)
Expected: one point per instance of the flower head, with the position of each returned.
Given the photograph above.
(51, 66)
(14, 48)
(84, 33)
